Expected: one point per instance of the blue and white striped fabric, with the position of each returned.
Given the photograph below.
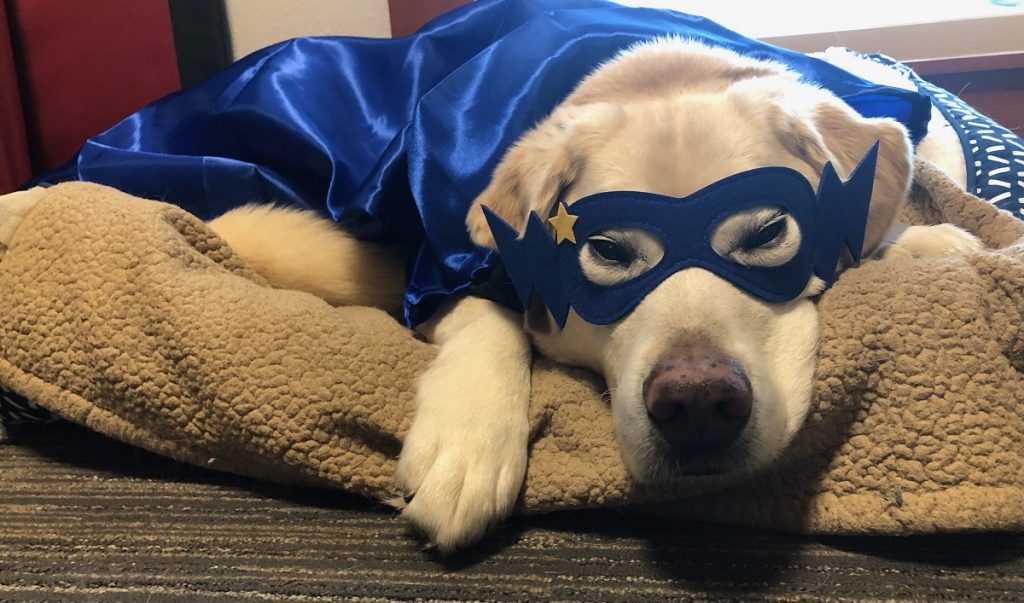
(994, 155)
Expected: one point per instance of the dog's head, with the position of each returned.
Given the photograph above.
(705, 378)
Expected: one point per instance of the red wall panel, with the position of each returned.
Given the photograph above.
(85, 65)
(409, 15)
(14, 163)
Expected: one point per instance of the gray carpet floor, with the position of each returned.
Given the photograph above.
(85, 518)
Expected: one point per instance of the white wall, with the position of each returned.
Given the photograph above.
(258, 23)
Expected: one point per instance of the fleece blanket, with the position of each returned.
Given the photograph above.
(132, 318)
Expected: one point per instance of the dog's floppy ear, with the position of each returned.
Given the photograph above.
(534, 172)
(817, 127)
(847, 137)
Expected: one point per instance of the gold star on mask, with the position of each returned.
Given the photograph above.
(563, 225)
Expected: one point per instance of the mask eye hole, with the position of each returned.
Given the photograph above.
(617, 255)
(763, 236)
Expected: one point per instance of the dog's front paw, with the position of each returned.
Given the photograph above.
(930, 241)
(462, 477)
(464, 459)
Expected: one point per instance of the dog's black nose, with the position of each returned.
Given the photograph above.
(698, 397)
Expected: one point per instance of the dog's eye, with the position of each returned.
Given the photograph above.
(768, 233)
(760, 236)
(617, 255)
(611, 251)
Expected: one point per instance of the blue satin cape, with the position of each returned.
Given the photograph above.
(394, 138)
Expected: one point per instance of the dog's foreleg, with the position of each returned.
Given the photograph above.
(464, 459)
(926, 241)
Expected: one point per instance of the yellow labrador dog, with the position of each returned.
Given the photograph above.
(704, 377)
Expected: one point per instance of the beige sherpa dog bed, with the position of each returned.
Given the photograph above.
(134, 319)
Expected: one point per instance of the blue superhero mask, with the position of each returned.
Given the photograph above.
(829, 220)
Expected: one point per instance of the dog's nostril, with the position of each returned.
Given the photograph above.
(733, 408)
(696, 423)
(664, 408)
